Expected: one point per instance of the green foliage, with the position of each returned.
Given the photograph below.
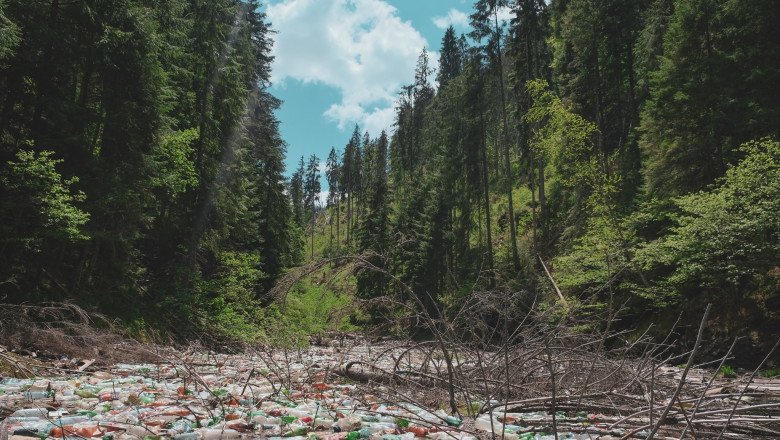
(725, 238)
(169, 187)
(710, 93)
(37, 204)
(771, 372)
(158, 114)
(231, 297)
(596, 258)
(9, 35)
(727, 371)
(311, 309)
(175, 171)
(562, 138)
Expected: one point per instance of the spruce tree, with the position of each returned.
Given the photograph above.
(485, 23)
(332, 172)
(297, 192)
(712, 91)
(450, 59)
(374, 225)
(311, 191)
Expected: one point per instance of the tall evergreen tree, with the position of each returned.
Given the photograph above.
(485, 23)
(311, 193)
(297, 193)
(374, 225)
(349, 172)
(332, 176)
(711, 92)
(450, 59)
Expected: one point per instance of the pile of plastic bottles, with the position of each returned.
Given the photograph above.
(520, 426)
(166, 401)
(208, 397)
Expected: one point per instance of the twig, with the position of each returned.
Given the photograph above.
(709, 383)
(684, 374)
(552, 280)
(750, 379)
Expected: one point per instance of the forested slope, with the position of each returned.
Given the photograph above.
(631, 147)
(142, 166)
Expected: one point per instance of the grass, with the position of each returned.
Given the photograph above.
(727, 371)
(771, 372)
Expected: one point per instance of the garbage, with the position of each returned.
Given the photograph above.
(210, 397)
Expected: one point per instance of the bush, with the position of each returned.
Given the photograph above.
(726, 240)
(37, 204)
(230, 299)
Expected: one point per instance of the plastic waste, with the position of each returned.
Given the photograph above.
(155, 401)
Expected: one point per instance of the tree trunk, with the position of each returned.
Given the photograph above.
(43, 81)
(507, 161)
(338, 224)
(532, 187)
(542, 202)
(486, 194)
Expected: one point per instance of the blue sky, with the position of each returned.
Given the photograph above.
(341, 62)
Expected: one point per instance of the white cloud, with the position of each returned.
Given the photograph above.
(504, 14)
(323, 198)
(360, 47)
(454, 17)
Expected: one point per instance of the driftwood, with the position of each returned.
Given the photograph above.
(540, 376)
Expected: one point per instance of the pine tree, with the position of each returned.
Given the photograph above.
(311, 191)
(332, 171)
(450, 59)
(485, 23)
(297, 192)
(374, 225)
(710, 93)
(423, 95)
(271, 207)
(348, 175)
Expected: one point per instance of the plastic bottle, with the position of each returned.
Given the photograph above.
(453, 421)
(187, 436)
(378, 427)
(31, 412)
(483, 423)
(38, 426)
(59, 421)
(217, 434)
(35, 395)
(300, 431)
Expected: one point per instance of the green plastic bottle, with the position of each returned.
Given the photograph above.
(302, 431)
(453, 421)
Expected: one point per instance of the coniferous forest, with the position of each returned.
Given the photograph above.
(617, 157)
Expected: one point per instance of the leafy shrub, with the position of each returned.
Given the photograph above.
(37, 204)
(232, 309)
(726, 238)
